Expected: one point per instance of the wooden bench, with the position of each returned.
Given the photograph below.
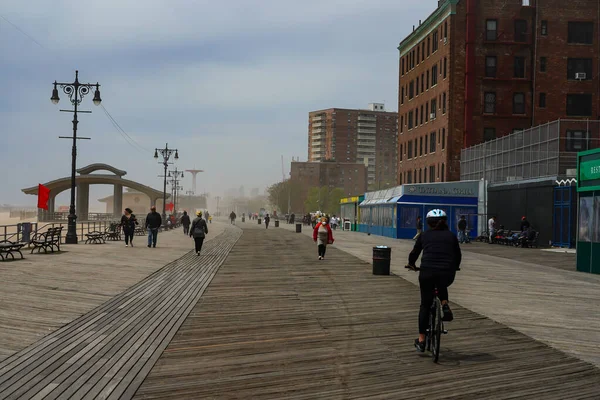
(113, 232)
(46, 240)
(95, 237)
(8, 248)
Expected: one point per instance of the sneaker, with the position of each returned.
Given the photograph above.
(197, 253)
(420, 346)
(149, 246)
(126, 245)
(448, 316)
(154, 246)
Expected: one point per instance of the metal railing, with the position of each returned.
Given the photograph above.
(14, 232)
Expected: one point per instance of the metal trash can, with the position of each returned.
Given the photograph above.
(347, 226)
(25, 232)
(298, 228)
(276, 223)
(259, 221)
(382, 256)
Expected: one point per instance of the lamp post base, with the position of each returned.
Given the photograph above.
(71, 237)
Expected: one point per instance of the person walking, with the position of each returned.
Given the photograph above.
(185, 221)
(463, 236)
(232, 217)
(199, 231)
(525, 225)
(492, 229)
(128, 222)
(419, 226)
(322, 235)
(267, 220)
(153, 223)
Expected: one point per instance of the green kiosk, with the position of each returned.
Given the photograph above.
(350, 213)
(588, 236)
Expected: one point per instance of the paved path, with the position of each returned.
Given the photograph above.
(553, 305)
(46, 291)
(107, 353)
(276, 323)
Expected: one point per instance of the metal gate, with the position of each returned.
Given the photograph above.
(564, 209)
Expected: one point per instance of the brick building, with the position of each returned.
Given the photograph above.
(356, 136)
(352, 177)
(477, 70)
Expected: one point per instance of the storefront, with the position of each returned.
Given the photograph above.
(394, 212)
(588, 188)
(350, 211)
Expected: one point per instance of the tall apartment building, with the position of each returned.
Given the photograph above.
(363, 136)
(477, 70)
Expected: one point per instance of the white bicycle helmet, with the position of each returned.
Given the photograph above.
(436, 214)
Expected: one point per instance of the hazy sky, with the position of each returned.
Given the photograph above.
(229, 83)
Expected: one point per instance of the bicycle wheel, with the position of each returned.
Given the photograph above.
(436, 330)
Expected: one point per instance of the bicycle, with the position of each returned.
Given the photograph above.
(433, 335)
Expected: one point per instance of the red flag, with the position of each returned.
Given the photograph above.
(170, 206)
(43, 196)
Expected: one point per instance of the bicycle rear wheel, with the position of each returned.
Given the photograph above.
(436, 329)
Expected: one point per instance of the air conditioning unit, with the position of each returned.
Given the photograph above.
(580, 76)
(445, 40)
(432, 116)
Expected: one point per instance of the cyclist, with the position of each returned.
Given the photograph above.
(441, 259)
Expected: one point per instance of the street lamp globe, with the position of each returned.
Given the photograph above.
(155, 153)
(176, 155)
(55, 99)
(97, 100)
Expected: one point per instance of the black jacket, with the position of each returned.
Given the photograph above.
(525, 225)
(153, 220)
(199, 228)
(129, 224)
(185, 220)
(441, 251)
(462, 224)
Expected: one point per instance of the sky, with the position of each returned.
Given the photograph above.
(228, 83)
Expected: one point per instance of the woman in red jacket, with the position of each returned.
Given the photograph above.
(323, 235)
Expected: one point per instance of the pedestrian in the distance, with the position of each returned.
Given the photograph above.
(463, 235)
(153, 223)
(323, 235)
(267, 220)
(232, 217)
(199, 231)
(419, 227)
(128, 222)
(525, 225)
(185, 221)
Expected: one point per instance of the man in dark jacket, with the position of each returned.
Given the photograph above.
(232, 217)
(153, 223)
(524, 224)
(463, 237)
(185, 221)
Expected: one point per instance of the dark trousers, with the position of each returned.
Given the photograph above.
(128, 236)
(186, 229)
(198, 241)
(428, 281)
(322, 249)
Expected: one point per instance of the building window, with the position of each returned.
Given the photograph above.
(427, 112)
(432, 142)
(489, 134)
(417, 85)
(432, 173)
(423, 51)
(435, 41)
(401, 148)
(402, 96)
(443, 173)
(519, 103)
(425, 147)
(490, 66)
(418, 55)
(577, 141)
(579, 68)
(401, 123)
(434, 70)
(519, 67)
(520, 30)
(444, 103)
(490, 103)
(420, 176)
(491, 29)
(411, 90)
(443, 138)
(581, 32)
(402, 63)
(445, 67)
(543, 64)
(417, 116)
(422, 82)
(542, 100)
(421, 146)
(427, 85)
(579, 105)
(433, 109)
(544, 29)
(446, 30)
(422, 115)
(428, 46)
(410, 149)
(410, 120)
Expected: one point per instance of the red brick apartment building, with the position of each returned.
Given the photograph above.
(476, 70)
(356, 136)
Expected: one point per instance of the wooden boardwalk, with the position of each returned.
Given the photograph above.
(276, 323)
(107, 352)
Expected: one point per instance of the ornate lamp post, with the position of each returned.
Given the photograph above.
(166, 154)
(76, 92)
(175, 175)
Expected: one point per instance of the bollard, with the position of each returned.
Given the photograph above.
(276, 224)
(298, 228)
(382, 256)
(259, 221)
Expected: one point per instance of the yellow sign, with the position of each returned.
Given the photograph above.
(349, 200)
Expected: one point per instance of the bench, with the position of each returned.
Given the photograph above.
(46, 240)
(8, 248)
(113, 232)
(95, 237)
